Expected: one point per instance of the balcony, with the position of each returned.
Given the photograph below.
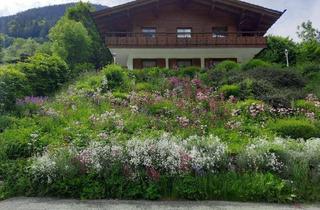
(190, 40)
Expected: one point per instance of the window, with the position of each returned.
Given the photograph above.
(219, 31)
(149, 32)
(184, 32)
(184, 63)
(148, 63)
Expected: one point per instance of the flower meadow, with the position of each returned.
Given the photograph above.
(165, 134)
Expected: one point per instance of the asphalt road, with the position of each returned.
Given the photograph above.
(57, 204)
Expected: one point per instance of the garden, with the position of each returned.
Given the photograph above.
(167, 134)
(72, 125)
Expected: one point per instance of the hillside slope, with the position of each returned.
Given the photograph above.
(35, 23)
(162, 134)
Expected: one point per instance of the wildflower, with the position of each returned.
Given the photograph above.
(183, 121)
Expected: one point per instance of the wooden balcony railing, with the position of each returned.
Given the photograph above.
(193, 40)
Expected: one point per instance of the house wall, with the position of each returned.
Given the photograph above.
(126, 57)
(172, 15)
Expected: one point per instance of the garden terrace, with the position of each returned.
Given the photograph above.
(180, 40)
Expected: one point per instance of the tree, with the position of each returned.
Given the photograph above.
(20, 47)
(309, 52)
(306, 32)
(71, 41)
(309, 48)
(1, 47)
(275, 52)
(81, 13)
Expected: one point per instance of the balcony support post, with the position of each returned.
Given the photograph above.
(167, 63)
(202, 63)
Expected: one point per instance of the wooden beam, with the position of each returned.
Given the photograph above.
(213, 7)
(241, 19)
(156, 9)
(259, 21)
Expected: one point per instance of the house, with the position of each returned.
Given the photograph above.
(174, 33)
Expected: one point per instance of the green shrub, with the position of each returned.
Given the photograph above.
(45, 73)
(294, 128)
(307, 105)
(13, 85)
(255, 63)
(144, 86)
(120, 95)
(190, 71)
(310, 69)
(162, 108)
(227, 66)
(230, 90)
(5, 122)
(287, 78)
(82, 67)
(115, 77)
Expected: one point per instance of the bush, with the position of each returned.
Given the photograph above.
(307, 105)
(255, 63)
(227, 66)
(287, 78)
(230, 90)
(162, 108)
(5, 122)
(115, 77)
(310, 69)
(82, 67)
(295, 128)
(190, 71)
(144, 86)
(45, 73)
(13, 85)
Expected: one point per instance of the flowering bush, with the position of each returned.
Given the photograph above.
(259, 156)
(36, 100)
(163, 155)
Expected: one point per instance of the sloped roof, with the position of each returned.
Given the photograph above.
(233, 3)
(267, 16)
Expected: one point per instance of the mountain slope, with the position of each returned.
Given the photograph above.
(36, 22)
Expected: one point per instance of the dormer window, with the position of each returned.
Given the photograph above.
(219, 32)
(184, 33)
(149, 32)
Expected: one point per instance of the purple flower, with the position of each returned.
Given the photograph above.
(36, 100)
(174, 81)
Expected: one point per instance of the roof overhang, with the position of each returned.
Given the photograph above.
(267, 17)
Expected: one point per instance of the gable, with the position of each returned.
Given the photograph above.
(247, 17)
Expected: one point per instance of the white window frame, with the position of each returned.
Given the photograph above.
(184, 33)
(149, 32)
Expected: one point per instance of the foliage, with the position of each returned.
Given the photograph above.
(156, 134)
(71, 41)
(100, 55)
(230, 90)
(1, 47)
(255, 63)
(307, 32)
(115, 77)
(34, 23)
(190, 72)
(13, 85)
(275, 51)
(295, 128)
(227, 66)
(309, 51)
(19, 49)
(45, 73)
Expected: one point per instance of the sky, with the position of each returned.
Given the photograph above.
(297, 11)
